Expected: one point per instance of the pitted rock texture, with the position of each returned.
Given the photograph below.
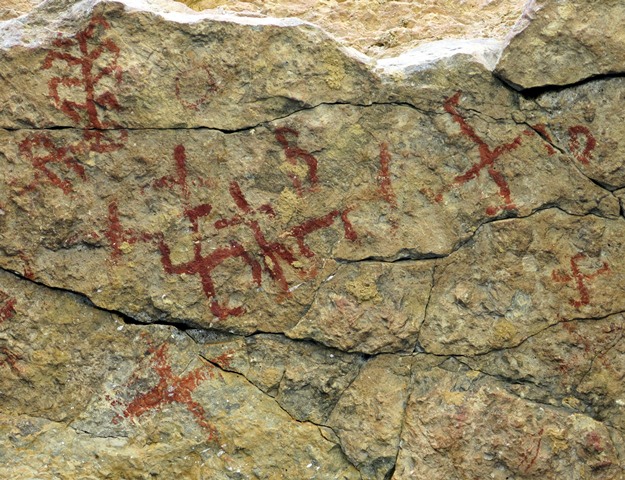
(389, 27)
(232, 248)
(561, 43)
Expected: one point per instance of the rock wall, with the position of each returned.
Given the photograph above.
(231, 248)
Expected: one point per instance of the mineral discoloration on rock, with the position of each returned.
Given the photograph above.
(229, 248)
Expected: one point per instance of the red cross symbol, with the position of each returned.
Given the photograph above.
(171, 389)
(579, 278)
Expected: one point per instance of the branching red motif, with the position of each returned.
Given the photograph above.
(85, 113)
(487, 161)
(42, 151)
(275, 254)
(579, 278)
(584, 155)
(170, 389)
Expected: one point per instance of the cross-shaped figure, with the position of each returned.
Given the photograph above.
(488, 157)
(579, 278)
(171, 389)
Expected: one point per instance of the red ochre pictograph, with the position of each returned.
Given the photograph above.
(294, 153)
(81, 57)
(276, 253)
(578, 278)
(385, 188)
(7, 311)
(7, 307)
(529, 457)
(488, 158)
(172, 389)
(193, 79)
(581, 151)
(593, 347)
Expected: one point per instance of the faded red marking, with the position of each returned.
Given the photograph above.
(7, 307)
(579, 279)
(53, 155)
(191, 76)
(488, 157)
(170, 389)
(7, 311)
(89, 77)
(542, 130)
(593, 441)
(529, 457)
(575, 133)
(384, 177)
(10, 358)
(293, 153)
(115, 234)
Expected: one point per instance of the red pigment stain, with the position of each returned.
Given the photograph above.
(89, 78)
(542, 130)
(488, 157)
(385, 188)
(171, 389)
(293, 153)
(528, 458)
(583, 155)
(10, 359)
(593, 441)
(191, 75)
(579, 279)
(7, 307)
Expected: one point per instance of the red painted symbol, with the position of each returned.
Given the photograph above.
(583, 154)
(579, 278)
(274, 253)
(48, 156)
(385, 188)
(7, 307)
(170, 389)
(89, 74)
(193, 80)
(7, 311)
(488, 157)
(295, 153)
(43, 153)
(529, 457)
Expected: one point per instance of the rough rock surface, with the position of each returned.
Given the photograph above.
(231, 248)
(389, 27)
(560, 43)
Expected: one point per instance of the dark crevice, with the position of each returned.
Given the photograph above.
(535, 92)
(225, 131)
(404, 255)
(265, 394)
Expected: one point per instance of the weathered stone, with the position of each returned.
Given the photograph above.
(586, 122)
(576, 364)
(560, 43)
(462, 424)
(243, 251)
(525, 275)
(390, 27)
(368, 417)
(306, 380)
(84, 394)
